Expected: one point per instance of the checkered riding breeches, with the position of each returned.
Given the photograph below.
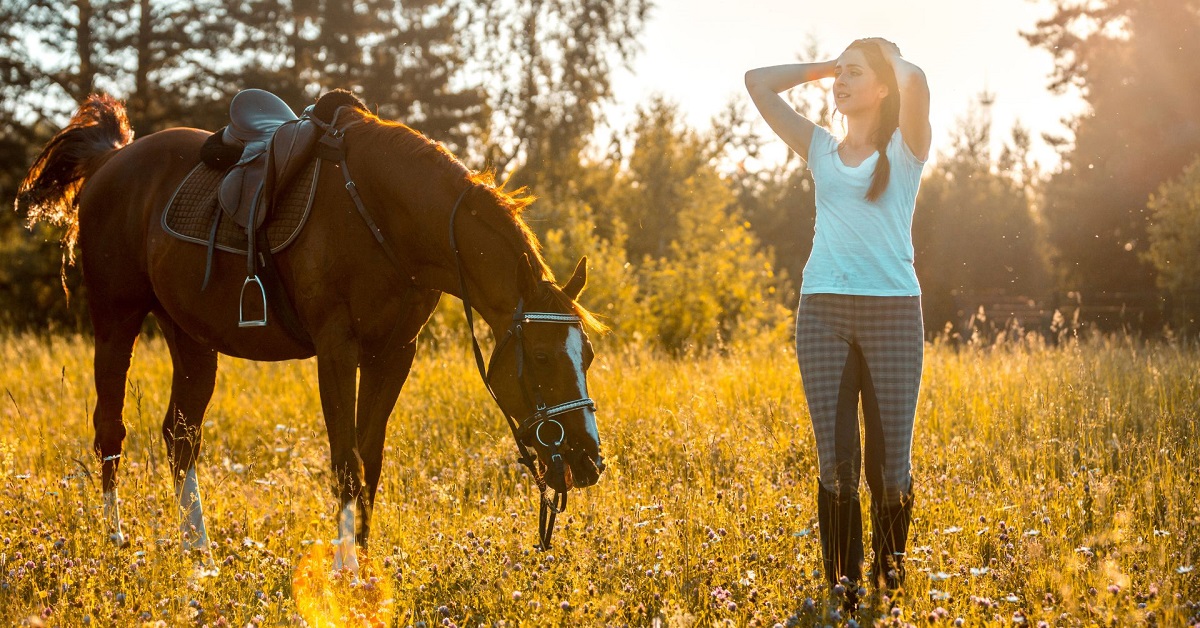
(852, 347)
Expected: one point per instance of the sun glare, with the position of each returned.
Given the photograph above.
(336, 598)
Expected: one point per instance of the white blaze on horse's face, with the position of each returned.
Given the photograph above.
(574, 348)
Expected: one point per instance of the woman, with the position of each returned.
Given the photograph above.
(858, 327)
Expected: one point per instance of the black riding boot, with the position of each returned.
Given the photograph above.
(841, 531)
(889, 536)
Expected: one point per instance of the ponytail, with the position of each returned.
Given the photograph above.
(889, 116)
(883, 167)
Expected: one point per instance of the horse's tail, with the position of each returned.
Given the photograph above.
(48, 192)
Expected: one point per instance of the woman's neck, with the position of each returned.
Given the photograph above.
(860, 130)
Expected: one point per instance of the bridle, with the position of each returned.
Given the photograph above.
(542, 415)
(331, 144)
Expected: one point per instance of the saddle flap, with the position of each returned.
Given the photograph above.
(240, 189)
(292, 148)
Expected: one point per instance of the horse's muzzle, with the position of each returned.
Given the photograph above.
(585, 470)
(582, 470)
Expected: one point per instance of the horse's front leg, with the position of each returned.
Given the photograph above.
(383, 375)
(192, 383)
(337, 364)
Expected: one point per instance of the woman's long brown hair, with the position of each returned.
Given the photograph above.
(889, 114)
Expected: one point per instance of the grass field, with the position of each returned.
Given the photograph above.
(1052, 485)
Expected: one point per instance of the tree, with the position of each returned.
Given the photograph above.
(974, 231)
(664, 161)
(1174, 249)
(778, 200)
(549, 67)
(705, 279)
(1132, 62)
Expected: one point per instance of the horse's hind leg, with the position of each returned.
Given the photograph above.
(192, 383)
(116, 329)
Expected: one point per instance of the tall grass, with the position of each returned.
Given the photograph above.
(1055, 485)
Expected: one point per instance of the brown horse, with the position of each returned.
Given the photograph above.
(362, 306)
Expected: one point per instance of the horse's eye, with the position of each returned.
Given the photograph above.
(541, 358)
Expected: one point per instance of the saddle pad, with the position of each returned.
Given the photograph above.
(190, 213)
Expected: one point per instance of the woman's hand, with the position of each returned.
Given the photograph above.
(889, 49)
(914, 99)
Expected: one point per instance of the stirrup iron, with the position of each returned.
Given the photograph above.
(242, 322)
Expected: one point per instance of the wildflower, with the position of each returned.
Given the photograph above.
(1114, 589)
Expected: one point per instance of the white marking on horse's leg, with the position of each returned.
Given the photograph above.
(575, 353)
(345, 555)
(191, 513)
(112, 514)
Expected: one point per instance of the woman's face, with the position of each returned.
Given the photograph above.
(856, 88)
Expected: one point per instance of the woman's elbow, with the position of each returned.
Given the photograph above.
(753, 79)
(914, 83)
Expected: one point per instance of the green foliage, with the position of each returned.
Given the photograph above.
(1130, 59)
(717, 286)
(704, 278)
(613, 289)
(1080, 516)
(974, 231)
(1174, 232)
(548, 65)
(32, 283)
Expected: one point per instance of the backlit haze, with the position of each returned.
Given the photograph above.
(695, 53)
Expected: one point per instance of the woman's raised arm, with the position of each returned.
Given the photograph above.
(765, 85)
(914, 99)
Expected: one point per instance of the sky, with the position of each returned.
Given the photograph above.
(695, 53)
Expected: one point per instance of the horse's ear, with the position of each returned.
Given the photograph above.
(578, 280)
(526, 279)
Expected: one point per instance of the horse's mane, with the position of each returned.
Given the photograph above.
(508, 221)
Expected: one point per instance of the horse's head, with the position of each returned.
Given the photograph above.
(538, 372)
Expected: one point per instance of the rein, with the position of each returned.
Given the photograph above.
(331, 149)
(542, 416)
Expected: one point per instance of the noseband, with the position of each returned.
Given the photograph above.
(542, 416)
